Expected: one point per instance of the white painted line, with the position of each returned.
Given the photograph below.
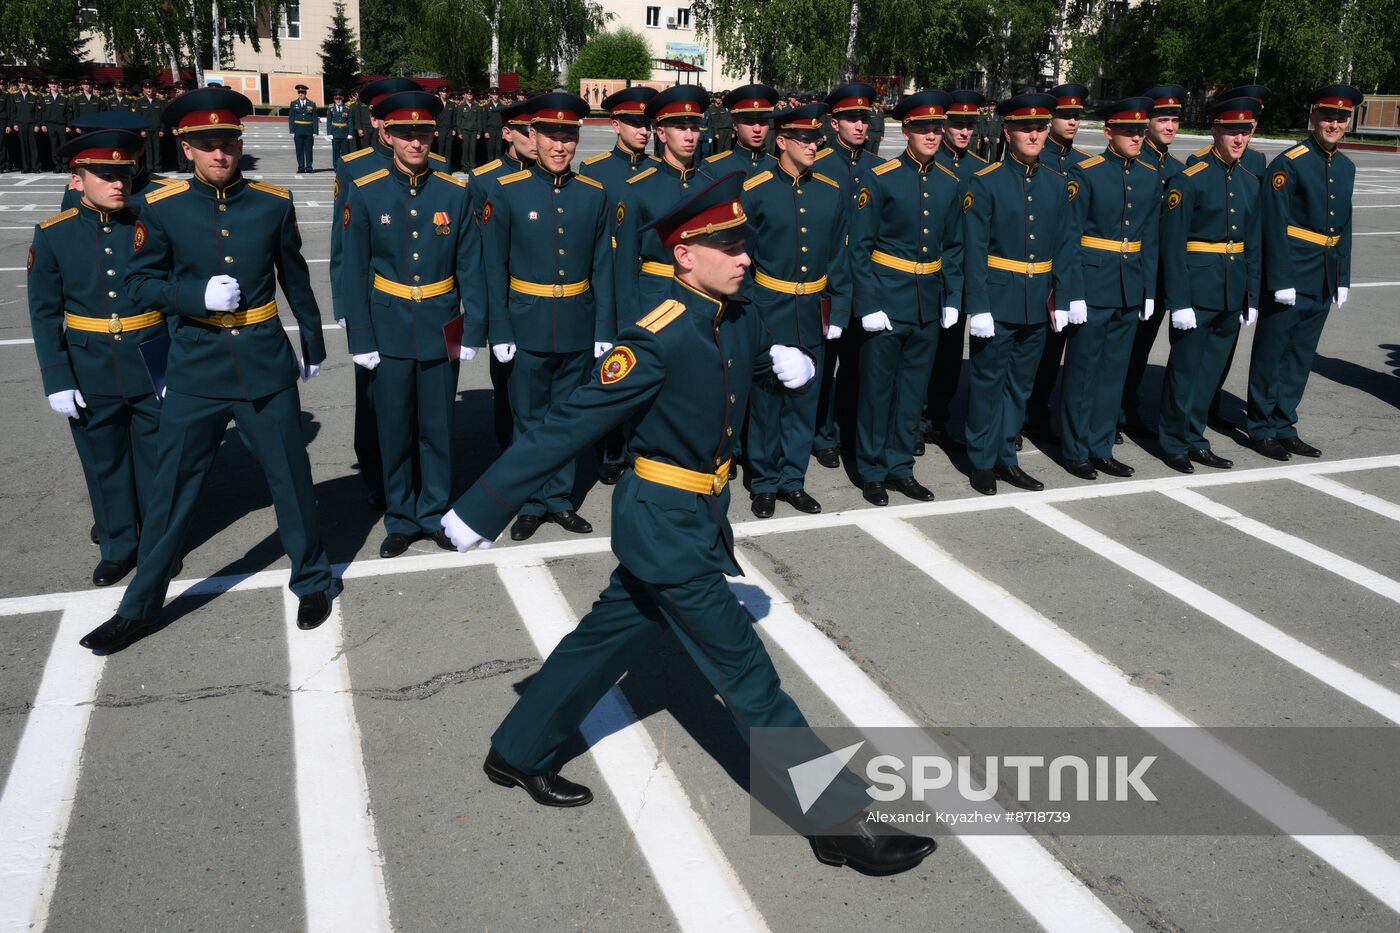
(1356, 857)
(1379, 233)
(1044, 888)
(1356, 497)
(699, 884)
(341, 865)
(1376, 284)
(38, 798)
(1280, 644)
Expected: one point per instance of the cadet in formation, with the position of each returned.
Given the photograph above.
(751, 110)
(24, 119)
(304, 125)
(338, 126)
(142, 178)
(53, 124)
(149, 106)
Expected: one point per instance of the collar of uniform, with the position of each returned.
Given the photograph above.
(631, 158)
(717, 302)
(1161, 153)
(1062, 148)
(1319, 148)
(853, 154)
(102, 217)
(1108, 153)
(798, 179)
(953, 152)
(215, 192)
(1215, 154)
(520, 164)
(673, 169)
(557, 181)
(1030, 169)
(908, 159)
(754, 155)
(414, 180)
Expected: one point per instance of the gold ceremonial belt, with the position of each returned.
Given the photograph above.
(1303, 233)
(113, 325)
(789, 288)
(1016, 265)
(1204, 246)
(665, 270)
(561, 290)
(706, 484)
(241, 318)
(415, 292)
(905, 265)
(1112, 246)
(302, 122)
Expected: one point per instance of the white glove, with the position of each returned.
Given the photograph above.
(467, 354)
(599, 348)
(340, 322)
(67, 403)
(1248, 318)
(878, 320)
(981, 325)
(950, 317)
(834, 332)
(503, 352)
(366, 360)
(1061, 320)
(309, 371)
(1286, 296)
(1342, 291)
(1185, 319)
(1148, 306)
(793, 368)
(462, 536)
(1078, 312)
(222, 293)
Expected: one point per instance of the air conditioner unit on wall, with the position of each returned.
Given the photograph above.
(670, 22)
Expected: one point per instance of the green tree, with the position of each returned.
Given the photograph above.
(387, 28)
(623, 54)
(340, 54)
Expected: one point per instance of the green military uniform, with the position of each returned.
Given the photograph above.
(722, 126)
(338, 128)
(304, 125)
(54, 114)
(468, 126)
(1307, 224)
(25, 110)
(85, 105)
(119, 101)
(876, 134)
(446, 121)
(495, 147)
(150, 107)
(753, 101)
(362, 129)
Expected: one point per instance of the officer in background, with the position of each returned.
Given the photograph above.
(338, 126)
(494, 143)
(362, 123)
(1212, 250)
(26, 110)
(1019, 248)
(149, 106)
(876, 134)
(446, 121)
(722, 125)
(303, 124)
(800, 262)
(210, 253)
(53, 115)
(751, 109)
(182, 159)
(1307, 224)
(1116, 202)
(467, 129)
(88, 334)
(7, 129)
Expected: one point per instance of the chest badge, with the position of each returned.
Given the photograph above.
(534, 215)
(384, 219)
(616, 365)
(442, 223)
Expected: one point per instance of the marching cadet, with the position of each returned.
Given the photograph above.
(88, 334)
(141, 177)
(1116, 202)
(1307, 224)
(1162, 127)
(86, 102)
(549, 282)
(229, 356)
(642, 263)
(25, 112)
(467, 128)
(304, 125)
(680, 379)
(849, 107)
(148, 105)
(1018, 249)
(406, 250)
(751, 107)
(956, 154)
(1212, 251)
(53, 114)
(800, 262)
(906, 248)
(338, 126)
(446, 120)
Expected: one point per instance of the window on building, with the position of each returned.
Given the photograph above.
(87, 13)
(291, 20)
(654, 16)
(683, 18)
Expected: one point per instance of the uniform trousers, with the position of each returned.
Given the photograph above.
(56, 138)
(1143, 338)
(1047, 373)
(1001, 370)
(413, 402)
(894, 367)
(1091, 388)
(305, 146)
(840, 390)
(778, 443)
(539, 383)
(503, 420)
(28, 149)
(339, 144)
(945, 375)
(116, 439)
(1285, 341)
(367, 434)
(1193, 371)
(151, 145)
(191, 430)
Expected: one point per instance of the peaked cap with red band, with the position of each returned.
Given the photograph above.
(207, 112)
(715, 214)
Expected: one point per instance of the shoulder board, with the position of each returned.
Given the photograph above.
(1147, 165)
(758, 179)
(72, 186)
(661, 315)
(947, 171)
(488, 167)
(372, 176)
(165, 182)
(1295, 152)
(823, 154)
(166, 191)
(820, 177)
(716, 157)
(589, 181)
(1196, 169)
(58, 218)
(1080, 151)
(592, 160)
(1090, 162)
(437, 158)
(513, 177)
(638, 177)
(976, 156)
(989, 169)
(452, 178)
(357, 154)
(265, 188)
(1202, 153)
(884, 167)
(652, 158)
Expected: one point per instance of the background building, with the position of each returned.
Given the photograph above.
(670, 31)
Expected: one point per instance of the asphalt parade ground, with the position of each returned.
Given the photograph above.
(232, 773)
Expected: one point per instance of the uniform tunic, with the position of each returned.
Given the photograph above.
(304, 125)
(642, 264)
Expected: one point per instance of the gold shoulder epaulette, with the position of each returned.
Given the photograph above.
(976, 156)
(1295, 152)
(1147, 165)
(58, 218)
(652, 158)
(884, 167)
(488, 167)
(1196, 169)
(823, 154)
(357, 154)
(452, 178)
(167, 191)
(1090, 162)
(437, 158)
(663, 314)
(717, 156)
(165, 182)
(1202, 153)
(760, 178)
(265, 188)
(591, 160)
(372, 176)
(639, 176)
(513, 177)
(1080, 151)
(949, 172)
(589, 181)
(989, 169)
(820, 177)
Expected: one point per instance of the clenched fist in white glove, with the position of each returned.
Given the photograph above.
(600, 347)
(67, 402)
(466, 354)
(1060, 321)
(1249, 316)
(1286, 296)
(503, 352)
(1078, 312)
(308, 371)
(461, 535)
(793, 368)
(366, 360)
(1342, 291)
(1185, 319)
(950, 317)
(222, 293)
(981, 325)
(1148, 306)
(834, 332)
(878, 320)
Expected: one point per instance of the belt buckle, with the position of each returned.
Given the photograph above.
(1124, 247)
(1229, 246)
(801, 288)
(558, 291)
(114, 326)
(1030, 268)
(416, 293)
(228, 319)
(718, 482)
